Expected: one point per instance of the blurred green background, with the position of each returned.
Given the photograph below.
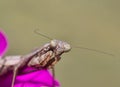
(88, 23)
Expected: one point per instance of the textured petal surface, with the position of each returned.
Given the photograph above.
(3, 43)
(41, 78)
(6, 80)
(36, 79)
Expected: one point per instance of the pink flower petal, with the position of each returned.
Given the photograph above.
(3, 43)
(36, 79)
(6, 80)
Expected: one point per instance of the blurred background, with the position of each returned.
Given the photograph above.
(88, 23)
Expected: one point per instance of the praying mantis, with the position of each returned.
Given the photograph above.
(43, 57)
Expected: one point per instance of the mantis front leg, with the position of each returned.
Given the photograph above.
(14, 76)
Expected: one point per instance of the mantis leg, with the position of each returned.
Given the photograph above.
(53, 73)
(14, 76)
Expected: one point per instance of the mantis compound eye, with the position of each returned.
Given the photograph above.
(67, 47)
(53, 43)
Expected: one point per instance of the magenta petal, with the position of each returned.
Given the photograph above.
(6, 80)
(41, 78)
(36, 79)
(3, 43)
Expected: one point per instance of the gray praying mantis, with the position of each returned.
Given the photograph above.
(43, 57)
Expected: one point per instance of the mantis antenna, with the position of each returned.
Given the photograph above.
(85, 48)
(38, 33)
(99, 51)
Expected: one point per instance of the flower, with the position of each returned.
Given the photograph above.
(39, 78)
(36, 79)
(3, 43)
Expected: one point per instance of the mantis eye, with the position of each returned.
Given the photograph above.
(53, 43)
(67, 48)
